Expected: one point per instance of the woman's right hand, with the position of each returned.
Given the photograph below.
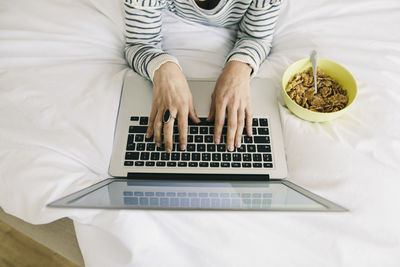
(170, 91)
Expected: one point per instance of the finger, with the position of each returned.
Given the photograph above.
(169, 131)
(249, 120)
(158, 127)
(150, 128)
(183, 128)
(219, 121)
(240, 126)
(232, 125)
(192, 113)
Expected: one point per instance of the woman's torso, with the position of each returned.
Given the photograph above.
(227, 13)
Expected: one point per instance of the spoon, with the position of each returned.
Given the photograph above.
(313, 58)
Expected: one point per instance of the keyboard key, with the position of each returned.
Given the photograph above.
(181, 194)
(268, 165)
(208, 139)
(132, 155)
(144, 155)
(211, 147)
(160, 148)
(134, 118)
(257, 165)
(155, 155)
(128, 193)
(206, 156)
(165, 155)
(149, 194)
(160, 194)
(205, 203)
(193, 164)
(216, 157)
(164, 202)
(254, 131)
(242, 148)
(221, 148)
(182, 164)
(196, 156)
(236, 157)
(140, 146)
(214, 164)
(137, 129)
(153, 201)
(130, 147)
(150, 163)
(256, 157)
(225, 164)
(248, 139)
(261, 139)
(139, 138)
(246, 157)
(263, 131)
(128, 163)
(203, 164)
(143, 201)
(171, 194)
(201, 147)
(193, 130)
(226, 157)
(246, 165)
(160, 164)
(171, 164)
(144, 120)
(191, 147)
(263, 148)
(176, 138)
(190, 138)
(185, 156)
(204, 130)
(174, 202)
(267, 157)
(263, 122)
(131, 200)
(130, 138)
(151, 147)
(255, 122)
(251, 148)
(175, 156)
(147, 140)
(198, 139)
(139, 163)
(235, 164)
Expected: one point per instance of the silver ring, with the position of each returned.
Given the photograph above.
(167, 116)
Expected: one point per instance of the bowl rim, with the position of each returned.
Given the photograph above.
(283, 88)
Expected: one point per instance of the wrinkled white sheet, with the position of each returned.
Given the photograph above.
(61, 72)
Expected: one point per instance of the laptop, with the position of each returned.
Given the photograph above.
(205, 175)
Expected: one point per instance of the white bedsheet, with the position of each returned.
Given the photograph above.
(61, 71)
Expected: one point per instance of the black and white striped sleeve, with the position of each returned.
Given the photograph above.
(143, 36)
(255, 33)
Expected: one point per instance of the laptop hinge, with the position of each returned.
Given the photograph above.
(198, 176)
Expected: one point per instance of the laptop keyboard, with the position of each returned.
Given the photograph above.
(201, 151)
(197, 199)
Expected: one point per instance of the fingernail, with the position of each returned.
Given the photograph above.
(183, 147)
(238, 144)
(168, 150)
(217, 140)
(158, 144)
(230, 148)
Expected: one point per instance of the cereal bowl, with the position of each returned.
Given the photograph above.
(330, 68)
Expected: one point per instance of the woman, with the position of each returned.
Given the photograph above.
(254, 21)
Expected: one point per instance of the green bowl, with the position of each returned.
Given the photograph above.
(336, 71)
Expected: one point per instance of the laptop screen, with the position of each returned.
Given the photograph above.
(197, 195)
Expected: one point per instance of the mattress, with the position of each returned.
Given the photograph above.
(61, 73)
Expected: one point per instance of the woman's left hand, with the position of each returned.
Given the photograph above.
(232, 96)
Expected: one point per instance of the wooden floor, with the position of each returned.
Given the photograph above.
(16, 249)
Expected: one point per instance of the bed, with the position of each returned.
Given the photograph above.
(61, 74)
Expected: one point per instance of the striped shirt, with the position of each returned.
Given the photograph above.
(254, 19)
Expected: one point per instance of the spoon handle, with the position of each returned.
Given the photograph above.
(313, 58)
